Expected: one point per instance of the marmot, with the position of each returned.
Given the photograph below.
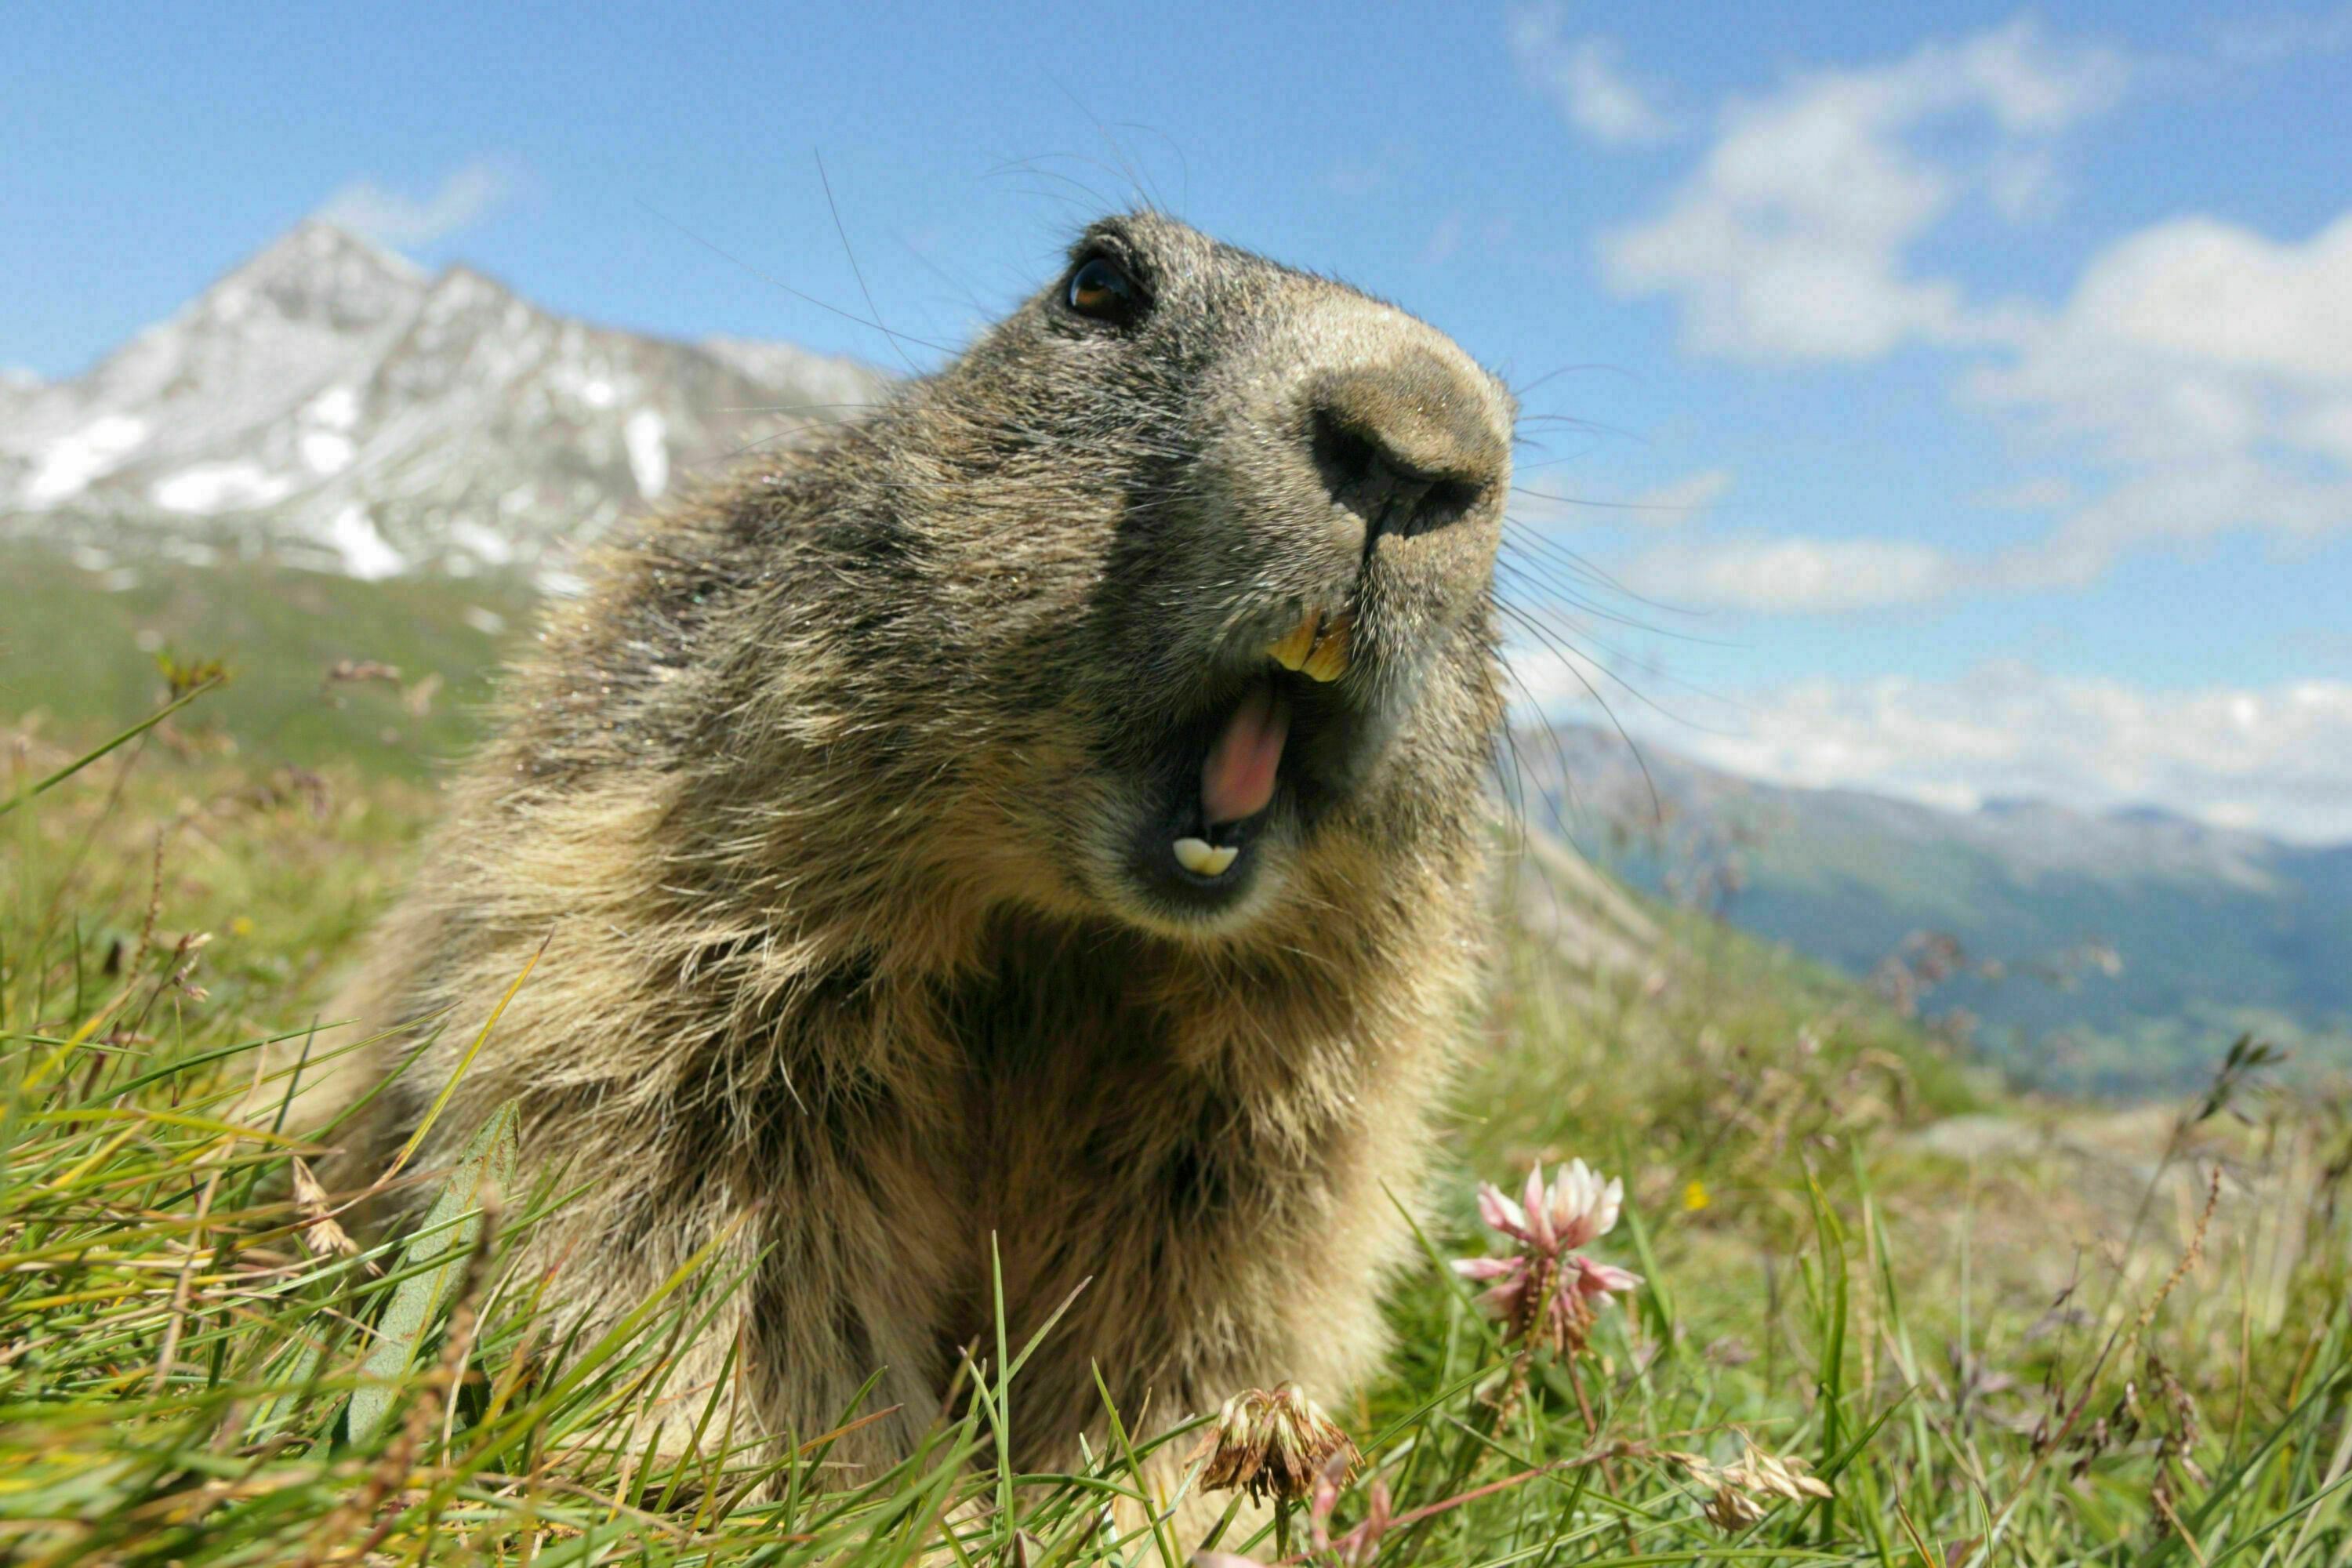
(1048, 808)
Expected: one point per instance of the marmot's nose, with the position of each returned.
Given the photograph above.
(1407, 446)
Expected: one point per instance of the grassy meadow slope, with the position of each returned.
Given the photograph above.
(1990, 1329)
(79, 646)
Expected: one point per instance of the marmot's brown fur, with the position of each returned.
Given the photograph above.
(851, 796)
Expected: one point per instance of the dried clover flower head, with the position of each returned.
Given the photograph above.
(1272, 1444)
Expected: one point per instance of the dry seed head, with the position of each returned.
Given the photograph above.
(1732, 1511)
(1741, 1487)
(321, 1236)
(1272, 1444)
(1761, 1472)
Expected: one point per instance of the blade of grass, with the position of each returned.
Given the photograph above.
(133, 733)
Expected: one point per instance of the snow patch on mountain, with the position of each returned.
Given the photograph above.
(209, 487)
(326, 452)
(68, 463)
(366, 553)
(645, 436)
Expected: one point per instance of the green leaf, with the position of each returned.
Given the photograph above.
(1830, 1386)
(1655, 1301)
(431, 1263)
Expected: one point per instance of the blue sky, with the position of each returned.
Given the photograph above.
(1957, 400)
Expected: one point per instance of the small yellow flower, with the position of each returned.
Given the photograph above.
(1695, 1196)
(241, 926)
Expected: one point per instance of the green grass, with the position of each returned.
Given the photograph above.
(78, 648)
(2049, 1354)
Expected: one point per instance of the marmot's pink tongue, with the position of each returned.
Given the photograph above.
(1238, 778)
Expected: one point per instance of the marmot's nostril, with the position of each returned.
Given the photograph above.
(1407, 446)
(1349, 463)
(1389, 494)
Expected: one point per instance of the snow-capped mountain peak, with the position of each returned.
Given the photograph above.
(329, 400)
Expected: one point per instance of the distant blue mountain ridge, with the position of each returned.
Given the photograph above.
(2115, 952)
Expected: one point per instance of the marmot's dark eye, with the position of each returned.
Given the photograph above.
(1101, 290)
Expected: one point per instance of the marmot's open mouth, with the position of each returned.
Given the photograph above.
(1243, 766)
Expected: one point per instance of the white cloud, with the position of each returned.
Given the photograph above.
(2206, 290)
(2198, 376)
(1793, 575)
(2025, 184)
(1585, 79)
(2210, 370)
(2261, 40)
(1789, 240)
(1693, 495)
(1444, 240)
(2267, 758)
(2047, 492)
(469, 196)
(2202, 370)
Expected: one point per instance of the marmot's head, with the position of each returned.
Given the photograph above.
(1239, 525)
